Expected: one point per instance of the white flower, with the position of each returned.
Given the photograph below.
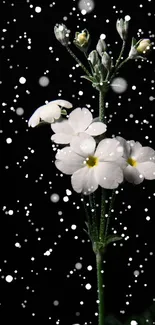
(89, 167)
(49, 112)
(140, 161)
(79, 120)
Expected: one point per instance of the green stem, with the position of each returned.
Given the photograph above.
(99, 262)
(102, 218)
(109, 213)
(120, 56)
(101, 106)
(78, 61)
(94, 219)
(90, 64)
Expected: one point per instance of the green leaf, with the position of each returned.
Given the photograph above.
(111, 239)
(92, 79)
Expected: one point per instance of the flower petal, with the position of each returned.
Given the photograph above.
(61, 138)
(62, 126)
(126, 147)
(83, 144)
(108, 175)
(147, 169)
(145, 154)
(50, 112)
(84, 180)
(132, 175)
(96, 128)
(67, 161)
(79, 119)
(109, 150)
(34, 119)
(63, 103)
(135, 147)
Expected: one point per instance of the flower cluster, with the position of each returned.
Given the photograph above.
(105, 164)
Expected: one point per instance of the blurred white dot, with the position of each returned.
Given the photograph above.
(9, 278)
(78, 266)
(37, 9)
(54, 197)
(119, 85)
(89, 268)
(44, 81)
(86, 6)
(55, 302)
(136, 273)
(8, 140)
(19, 111)
(22, 80)
(65, 199)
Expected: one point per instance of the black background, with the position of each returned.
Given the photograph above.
(38, 283)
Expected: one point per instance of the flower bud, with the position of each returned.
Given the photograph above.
(144, 46)
(101, 46)
(139, 49)
(82, 40)
(93, 58)
(122, 28)
(106, 61)
(62, 34)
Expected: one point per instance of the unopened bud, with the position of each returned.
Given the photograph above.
(122, 28)
(101, 46)
(62, 34)
(144, 46)
(106, 61)
(93, 58)
(139, 49)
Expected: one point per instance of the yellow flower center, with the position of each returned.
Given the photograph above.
(132, 162)
(82, 38)
(92, 161)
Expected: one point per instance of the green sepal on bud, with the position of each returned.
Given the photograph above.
(122, 26)
(63, 112)
(82, 40)
(101, 46)
(139, 49)
(106, 61)
(62, 34)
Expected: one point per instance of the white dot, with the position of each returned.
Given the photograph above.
(127, 17)
(9, 278)
(10, 212)
(73, 227)
(54, 197)
(102, 36)
(18, 245)
(19, 111)
(22, 80)
(44, 81)
(88, 286)
(133, 322)
(119, 85)
(8, 140)
(80, 92)
(38, 9)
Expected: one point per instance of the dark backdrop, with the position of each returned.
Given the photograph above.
(41, 278)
